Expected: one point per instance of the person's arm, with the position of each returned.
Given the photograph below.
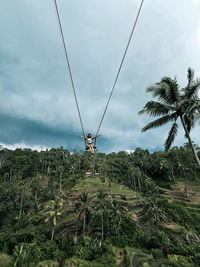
(82, 137)
(96, 136)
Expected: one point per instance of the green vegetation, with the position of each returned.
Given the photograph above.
(141, 209)
(5, 260)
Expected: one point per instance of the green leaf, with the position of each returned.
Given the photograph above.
(156, 109)
(171, 136)
(161, 121)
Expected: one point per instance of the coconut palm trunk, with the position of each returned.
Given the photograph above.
(102, 205)
(172, 173)
(60, 186)
(102, 225)
(139, 184)
(21, 204)
(190, 141)
(52, 233)
(135, 188)
(184, 173)
(76, 234)
(193, 168)
(84, 219)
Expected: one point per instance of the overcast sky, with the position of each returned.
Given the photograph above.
(37, 104)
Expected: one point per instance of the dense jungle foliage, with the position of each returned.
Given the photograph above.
(120, 209)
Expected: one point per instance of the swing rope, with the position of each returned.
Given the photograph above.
(69, 68)
(120, 67)
(117, 76)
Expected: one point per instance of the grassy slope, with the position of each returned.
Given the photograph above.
(182, 193)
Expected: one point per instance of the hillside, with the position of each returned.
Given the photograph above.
(120, 215)
(133, 203)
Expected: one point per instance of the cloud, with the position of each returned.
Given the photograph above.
(23, 145)
(23, 132)
(17, 130)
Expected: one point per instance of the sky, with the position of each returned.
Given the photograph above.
(37, 106)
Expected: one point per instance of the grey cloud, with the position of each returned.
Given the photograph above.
(21, 130)
(15, 130)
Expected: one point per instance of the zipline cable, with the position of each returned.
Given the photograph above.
(69, 68)
(120, 67)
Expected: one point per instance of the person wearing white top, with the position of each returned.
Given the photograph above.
(89, 144)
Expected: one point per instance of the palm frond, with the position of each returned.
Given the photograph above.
(192, 87)
(194, 109)
(190, 76)
(197, 116)
(186, 107)
(167, 90)
(172, 90)
(192, 90)
(171, 136)
(192, 112)
(154, 108)
(158, 90)
(161, 121)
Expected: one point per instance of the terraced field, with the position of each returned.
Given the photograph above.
(127, 199)
(131, 201)
(185, 192)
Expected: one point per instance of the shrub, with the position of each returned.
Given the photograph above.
(46, 264)
(126, 233)
(164, 263)
(26, 253)
(157, 253)
(42, 251)
(90, 249)
(158, 239)
(5, 260)
(74, 262)
(181, 261)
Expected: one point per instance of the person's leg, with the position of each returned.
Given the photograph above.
(91, 149)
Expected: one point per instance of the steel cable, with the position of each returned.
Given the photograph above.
(69, 68)
(120, 67)
(118, 72)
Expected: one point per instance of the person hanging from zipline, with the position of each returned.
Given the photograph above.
(89, 142)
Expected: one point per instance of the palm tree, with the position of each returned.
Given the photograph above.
(152, 212)
(131, 178)
(60, 171)
(73, 170)
(53, 208)
(2, 160)
(76, 211)
(83, 207)
(173, 103)
(102, 205)
(21, 204)
(117, 212)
